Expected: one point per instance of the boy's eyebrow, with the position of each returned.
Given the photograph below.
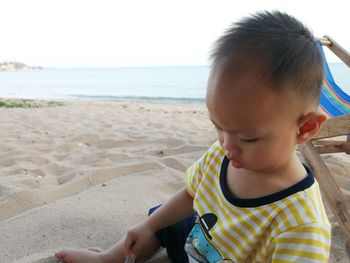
(216, 125)
(235, 131)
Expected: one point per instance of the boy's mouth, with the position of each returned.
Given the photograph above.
(236, 164)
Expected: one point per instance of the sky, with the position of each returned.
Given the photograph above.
(131, 33)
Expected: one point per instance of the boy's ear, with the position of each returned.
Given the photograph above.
(309, 125)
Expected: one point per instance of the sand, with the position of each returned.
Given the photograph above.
(80, 174)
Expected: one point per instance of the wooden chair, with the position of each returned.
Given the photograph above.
(334, 126)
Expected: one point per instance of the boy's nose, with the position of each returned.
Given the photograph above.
(232, 154)
(231, 147)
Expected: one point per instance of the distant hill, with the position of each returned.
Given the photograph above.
(16, 66)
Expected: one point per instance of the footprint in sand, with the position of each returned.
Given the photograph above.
(111, 143)
(5, 192)
(174, 164)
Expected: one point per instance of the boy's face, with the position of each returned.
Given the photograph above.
(256, 126)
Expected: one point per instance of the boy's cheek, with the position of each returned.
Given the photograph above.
(220, 138)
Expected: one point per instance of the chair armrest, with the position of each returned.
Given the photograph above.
(335, 127)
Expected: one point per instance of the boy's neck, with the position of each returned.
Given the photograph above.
(249, 184)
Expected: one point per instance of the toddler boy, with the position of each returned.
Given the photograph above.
(248, 198)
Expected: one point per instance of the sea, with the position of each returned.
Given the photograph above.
(183, 85)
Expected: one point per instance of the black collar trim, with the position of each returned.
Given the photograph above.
(255, 202)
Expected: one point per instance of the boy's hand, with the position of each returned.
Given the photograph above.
(137, 239)
(141, 238)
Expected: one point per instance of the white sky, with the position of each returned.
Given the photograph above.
(103, 33)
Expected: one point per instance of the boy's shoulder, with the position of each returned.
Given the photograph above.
(214, 155)
(215, 150)
(304, 208)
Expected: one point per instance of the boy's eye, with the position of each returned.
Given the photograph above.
(250, 140)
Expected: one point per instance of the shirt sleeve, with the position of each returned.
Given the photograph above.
(194, 175)
(304, 243)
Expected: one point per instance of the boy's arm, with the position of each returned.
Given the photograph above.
(174, 210)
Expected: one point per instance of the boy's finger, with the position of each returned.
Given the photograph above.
(60, 255)
(130, 259)
(128, 245)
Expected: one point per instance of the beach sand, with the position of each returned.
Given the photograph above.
(80, 174)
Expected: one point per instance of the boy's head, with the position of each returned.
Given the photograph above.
(264, 88)
(284, 47)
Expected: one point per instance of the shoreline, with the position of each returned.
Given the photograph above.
(111, 99)
(80, 174)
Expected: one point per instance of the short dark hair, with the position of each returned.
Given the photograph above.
(287, 47)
